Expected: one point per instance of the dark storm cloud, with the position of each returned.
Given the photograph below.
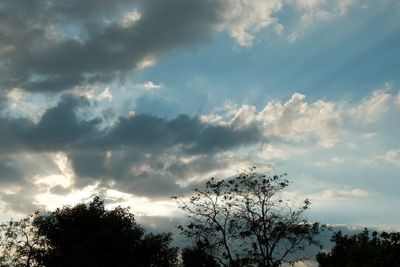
(133, 152)
(61, 129)
(37, 55)
(149, 133)
(141, 152)
(219, 138)
(140, 173)
(134, 171)
(8, 173)
(57, 129)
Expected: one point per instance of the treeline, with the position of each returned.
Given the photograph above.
(243, 221)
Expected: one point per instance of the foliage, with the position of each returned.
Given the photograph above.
(85, 235)
(18, 243)
(156, 251)
(197, 256)
(90, 235)
(363, 250)
(245, 221)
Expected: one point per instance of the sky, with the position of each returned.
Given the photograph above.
(138, 100)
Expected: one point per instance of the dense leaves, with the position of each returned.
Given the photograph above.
(198, 256)
(363, 250)
(90, 235)
(245, 221)
(87, 236)
(19, 242)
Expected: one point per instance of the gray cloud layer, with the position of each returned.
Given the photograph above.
(141, 153)
(55, 45)
(57, 129)
(60, 129)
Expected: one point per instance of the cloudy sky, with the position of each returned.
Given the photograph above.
(137, 100)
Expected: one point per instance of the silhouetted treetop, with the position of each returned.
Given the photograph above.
(362, 250)
(245, 221)
(198, 256)
(89, 235)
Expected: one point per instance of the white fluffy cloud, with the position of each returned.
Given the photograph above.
(243, 19)
(372, 108)
(393, 156)
(293, 120)
(296, 119)
(312, 12)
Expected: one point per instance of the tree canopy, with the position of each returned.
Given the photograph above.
(89, 235)
(198, 256)
(362, 250)
(19, 242)
(245, 221)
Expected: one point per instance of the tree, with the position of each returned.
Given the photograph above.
(18, 243)
(88, 235)
(362, 250)
(156, 251)
(245, 221)
(197, 256)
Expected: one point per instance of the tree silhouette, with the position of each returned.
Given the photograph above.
(245, 221)
(19, 242)
(90, 235)
(362, 250)
(198, 256)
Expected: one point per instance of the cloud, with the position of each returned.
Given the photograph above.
(296, 119)
(154, 157)
(282, 152)
(8, 172)
(369, 136)
(342, 194)
(129, 18)
(55, 46)
(242, 26)
(61, 127)
(25, 175)
(293, 120)
(136, 153)
(20, 201)
(299, 121)
(313, 12)
(393, 156)
(106, 94)
(397, 101)
(58, 128)
(373, 108)
(149, 85)
(149, 132)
